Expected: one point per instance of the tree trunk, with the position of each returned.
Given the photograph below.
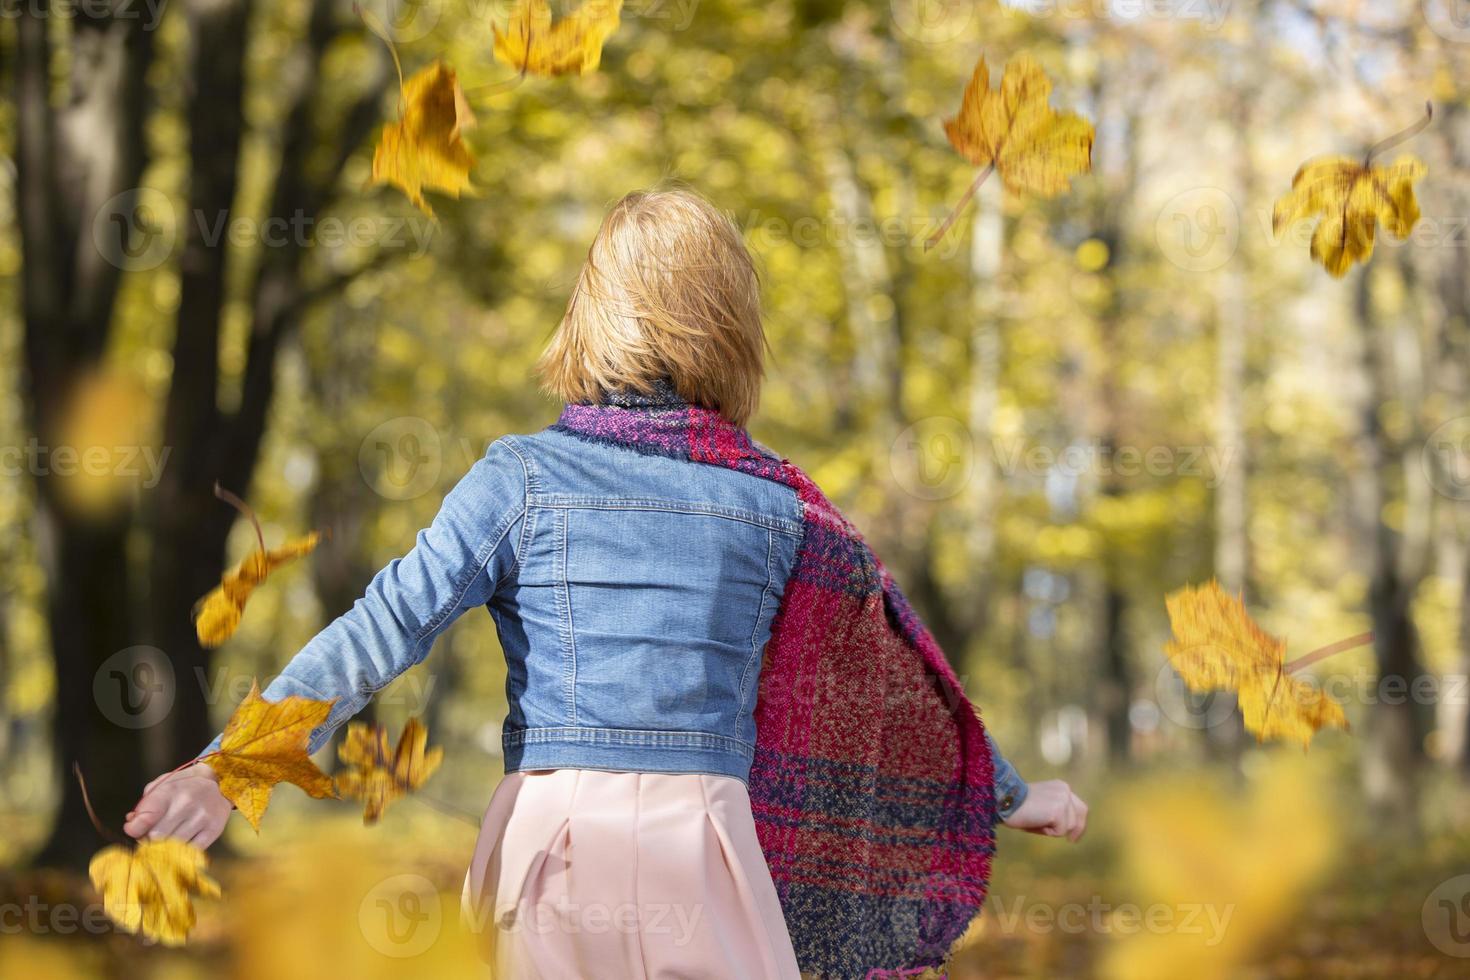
(1393, 747)
(77, 163)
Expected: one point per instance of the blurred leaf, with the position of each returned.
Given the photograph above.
(1351, 198)
(217, 615)
(377, 775)
(1034, 149)
(532, 44)
(424, 149)
(1217, 646)
(147, 889)
(1014, 131)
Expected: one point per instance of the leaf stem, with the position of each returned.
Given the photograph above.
(1322, 653)
(949, 221)
(76, 768)
(243, 508)
(377, 27)
(1402, 136)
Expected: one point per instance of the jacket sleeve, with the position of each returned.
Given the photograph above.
(1010, 788)
(455, 564)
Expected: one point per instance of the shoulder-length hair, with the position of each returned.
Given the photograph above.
(668, 291)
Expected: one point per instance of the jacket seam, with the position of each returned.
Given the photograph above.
(524, 516)
(628, 737)
(760, 614)
(566, 627)
(572, 502)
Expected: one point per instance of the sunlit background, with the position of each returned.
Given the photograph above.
(1063, 411)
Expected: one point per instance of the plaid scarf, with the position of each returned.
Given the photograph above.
(872, 780)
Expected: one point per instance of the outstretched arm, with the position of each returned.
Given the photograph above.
(457, 563)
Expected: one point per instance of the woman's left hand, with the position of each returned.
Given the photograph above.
(1051, 809)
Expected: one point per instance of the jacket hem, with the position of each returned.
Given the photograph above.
(627, 750)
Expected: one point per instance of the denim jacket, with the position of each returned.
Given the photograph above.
(633, 596)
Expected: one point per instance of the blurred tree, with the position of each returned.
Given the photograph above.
(82, 148)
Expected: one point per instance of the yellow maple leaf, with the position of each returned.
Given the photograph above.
(1217, 646)
(1035, 149)
(1351, 197)
(424, 150)
(265, 744)
(378, 775)
(532, 44)
(148, 889)
(217, 615)
(1015, 132)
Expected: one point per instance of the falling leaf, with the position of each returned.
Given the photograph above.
(532, 44)
(377, 775)
(1217, 646)
(148, 889)
(1351, 198)
(217, 615)
(424, 149)
(265, 744)
(1014, 131)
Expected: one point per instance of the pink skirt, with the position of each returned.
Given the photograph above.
(586, 874)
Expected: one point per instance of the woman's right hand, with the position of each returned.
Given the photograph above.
(186, 804)
(1052, 810)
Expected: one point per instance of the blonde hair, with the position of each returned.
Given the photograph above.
(668, 291)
